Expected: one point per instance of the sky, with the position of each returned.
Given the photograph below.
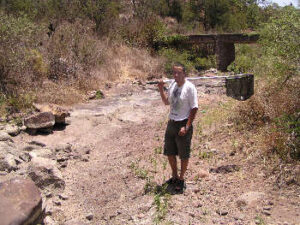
(286, 2)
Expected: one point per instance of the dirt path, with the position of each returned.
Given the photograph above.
(119, 140)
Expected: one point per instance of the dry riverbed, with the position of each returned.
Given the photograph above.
(110, 158)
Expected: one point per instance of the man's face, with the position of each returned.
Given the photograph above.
(178, 74)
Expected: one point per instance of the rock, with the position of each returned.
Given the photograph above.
(225, 169)
(42, 152)
(63, 148)
(12, 130)
(49, 221)
(63, 197)
(249, 198)
(57, 202)
(267, 213)
(74, 222)
(59, 112)
(95, 95)
(21, 202)
(201, 174)
(222, 212)
(25, 157)
(44, 172)
(37, 143)
(8, 157)
(89, 216)
(40, 120)
(5, 137)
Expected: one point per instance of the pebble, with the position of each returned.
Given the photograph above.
(89, 216)
(56, 202)
(267, 213)
(63, 197)
(48, 194)
(222, 212)
(267, 208)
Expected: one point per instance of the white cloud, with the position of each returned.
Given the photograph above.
(286, 2)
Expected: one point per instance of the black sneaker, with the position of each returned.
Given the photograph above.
(172, 180)
(180, 186)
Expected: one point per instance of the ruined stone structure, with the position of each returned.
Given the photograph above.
(224, 45)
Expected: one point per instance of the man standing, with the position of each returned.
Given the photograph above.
(183, 101)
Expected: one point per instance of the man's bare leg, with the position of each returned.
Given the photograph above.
(184, 165)
(173, 164)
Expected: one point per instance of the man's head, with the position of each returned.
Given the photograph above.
(179, 73)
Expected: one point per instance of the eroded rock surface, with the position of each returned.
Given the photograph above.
(21, 202)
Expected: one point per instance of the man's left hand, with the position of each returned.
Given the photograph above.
(182, 131)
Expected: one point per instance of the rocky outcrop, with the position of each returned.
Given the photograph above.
(59, 112)
(44, 172)
(40, 120)
(21, 202)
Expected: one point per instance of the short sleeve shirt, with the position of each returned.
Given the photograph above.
(182, 100)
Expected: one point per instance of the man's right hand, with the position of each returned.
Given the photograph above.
(161, 84)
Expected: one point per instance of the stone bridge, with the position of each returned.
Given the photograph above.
(224, 45)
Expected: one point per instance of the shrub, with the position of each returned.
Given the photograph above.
(172, 56)
(280, 43)
(18, 37)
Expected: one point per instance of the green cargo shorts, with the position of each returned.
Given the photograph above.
(175, 144)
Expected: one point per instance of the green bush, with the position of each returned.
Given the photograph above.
(279, 39)
(18, 36)
(176, 56)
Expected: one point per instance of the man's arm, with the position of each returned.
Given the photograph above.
(162, 93)
(191, 118)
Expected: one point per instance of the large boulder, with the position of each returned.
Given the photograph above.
(40, 120)
(44, 172)
(59, 112)
(21, 202)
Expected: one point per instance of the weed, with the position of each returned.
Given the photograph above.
(161, 202)
(99, 94)
(154, 163)
(259, 220)
(205, 155)
(158, 150)
(164, 164)
(139, 172)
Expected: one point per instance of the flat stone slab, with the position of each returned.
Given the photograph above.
(40, 120)
(21, 202)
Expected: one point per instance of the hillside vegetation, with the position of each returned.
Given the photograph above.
(56, 51)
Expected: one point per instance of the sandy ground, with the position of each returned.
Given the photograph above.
(120, 139)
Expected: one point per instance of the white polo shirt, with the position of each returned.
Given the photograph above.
(182, 100)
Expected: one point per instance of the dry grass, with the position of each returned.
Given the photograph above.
(122, 62)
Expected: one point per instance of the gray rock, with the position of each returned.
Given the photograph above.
(49, 221)
(42, 152)
(25, 157)
(222, 212)
(40, 120)
(59, 112)
(74, 222)
(44, 172)
(37, 143)
(249, 198)
(89, 216)
(21, 202)
(63, 197)
(63, 148)
(5, 137)
(8, 157)
(225, 169)
(12, 130)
